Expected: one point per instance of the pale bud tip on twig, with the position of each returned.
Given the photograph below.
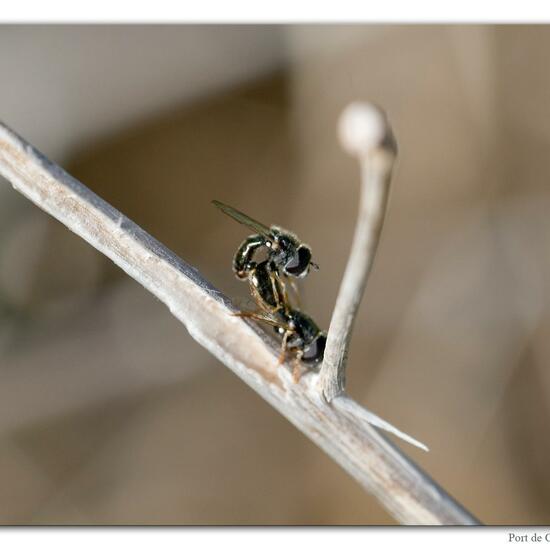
(362, 128)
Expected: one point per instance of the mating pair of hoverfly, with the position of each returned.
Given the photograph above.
(286, 259)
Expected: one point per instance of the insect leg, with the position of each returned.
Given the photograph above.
(296, 374)
(279, 292)
(282, 356)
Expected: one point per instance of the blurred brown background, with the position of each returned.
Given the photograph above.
(110, 413)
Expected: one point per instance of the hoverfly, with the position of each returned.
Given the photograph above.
(300, 334)
(291, 257)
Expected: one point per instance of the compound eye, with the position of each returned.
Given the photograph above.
(298, 266)
(316, 350)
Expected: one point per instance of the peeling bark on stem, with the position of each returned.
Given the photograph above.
(343, 430)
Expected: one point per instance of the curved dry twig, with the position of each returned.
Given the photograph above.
(366, 134)
(342, 429)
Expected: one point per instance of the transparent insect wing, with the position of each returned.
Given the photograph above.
(241, 217)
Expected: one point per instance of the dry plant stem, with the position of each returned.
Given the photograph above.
(341, 430)
(376, 170)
